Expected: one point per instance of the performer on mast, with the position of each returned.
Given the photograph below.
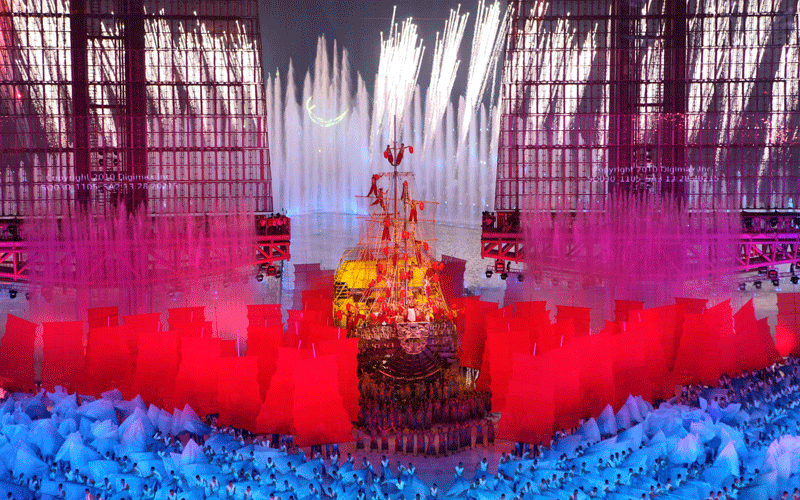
(374, 187)
(412, 216)
(379, 200)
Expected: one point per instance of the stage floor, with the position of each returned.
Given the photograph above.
(439, 470)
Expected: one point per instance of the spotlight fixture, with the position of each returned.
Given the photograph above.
(757, 284)
(272, 271)
(795, 280)
(489, 273)
(12, 294)
(27, 295)
(259, 277)
(520, 277)
(776, 283)
(742, 287)
(772, 274)
(773, 222)
(278, 273)
(503, 276)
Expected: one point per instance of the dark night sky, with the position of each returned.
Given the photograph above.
(289, 29)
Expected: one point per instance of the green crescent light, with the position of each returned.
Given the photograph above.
(320, 121)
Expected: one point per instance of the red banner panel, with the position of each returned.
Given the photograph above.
(785, 339)
(579, 315)
(276, 411)
(262, 315)
(624, 307)
(317, 408)
(141, 323)
(196, 382)
(788, 303)
(755, 350)
(194, 329)
(156, 367)
(500, 347)
(720, 322)
(100, 317)
(182, 315)
(16, 353)
(295, 325)
(596, 373)
(474, 334)
(238, 392)
(693, 306)
(263, 344)
(563, 366)
(311, 333)
(697, 353)
(790, 331)
(632, 351)
(532, 307)
(529, 415)
(109, 362)
(62, 354)
(346, 351)
(668, 322)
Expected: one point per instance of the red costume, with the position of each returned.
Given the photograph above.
(412, 217)
(379, 199)
(387, 223)
(374, 188)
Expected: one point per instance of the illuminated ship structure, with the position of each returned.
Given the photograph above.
(387, 290)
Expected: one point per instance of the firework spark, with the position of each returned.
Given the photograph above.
(443, 72)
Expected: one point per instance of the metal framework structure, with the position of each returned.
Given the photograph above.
(691, 99)
(157, 106)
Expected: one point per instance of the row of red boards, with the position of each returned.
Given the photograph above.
(273, 388)
(565, 373)
(291, 376)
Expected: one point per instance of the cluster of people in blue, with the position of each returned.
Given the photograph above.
(434, 418)
(738, 440)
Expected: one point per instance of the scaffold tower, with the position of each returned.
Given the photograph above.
(693, 100)
(154, 107)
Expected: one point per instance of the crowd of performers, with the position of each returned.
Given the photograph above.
(239, 465)
(434, 418)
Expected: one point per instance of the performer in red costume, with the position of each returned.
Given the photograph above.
(412, 216)
(387, 223)
(374, 187)
(379, 200)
